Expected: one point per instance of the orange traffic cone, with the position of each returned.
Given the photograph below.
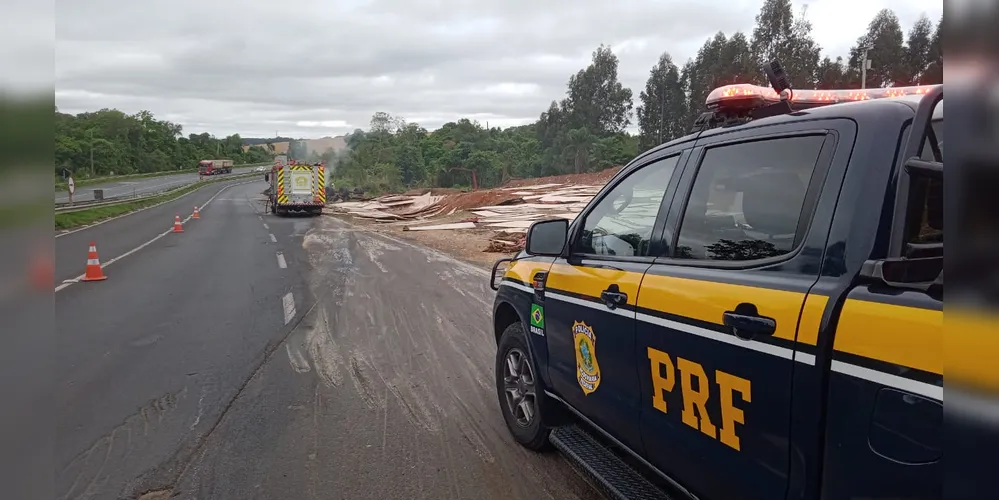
(196, 215)
(177, 227)
(94, 270)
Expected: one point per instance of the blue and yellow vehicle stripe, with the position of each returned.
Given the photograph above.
(898, 345)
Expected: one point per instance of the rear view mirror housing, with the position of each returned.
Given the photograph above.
(496, 267)
(547, 238)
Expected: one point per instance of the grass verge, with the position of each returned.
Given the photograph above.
(70, 220)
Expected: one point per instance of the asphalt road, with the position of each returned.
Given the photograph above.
(280, 358)
(140, 186)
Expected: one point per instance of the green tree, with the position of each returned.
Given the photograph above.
(831, 74)
(596, 99)
(934, 70)
(918, 50)
(887, 52)
(663, 105)
(779, 36)
(720, 61)
(580, 143)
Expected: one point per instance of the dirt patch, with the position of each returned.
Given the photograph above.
(436, 191)
(594, 178)
(464, 244)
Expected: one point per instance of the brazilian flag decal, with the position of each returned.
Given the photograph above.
(537, 316)
(537, 320)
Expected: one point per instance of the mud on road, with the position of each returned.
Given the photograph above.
(384, 389)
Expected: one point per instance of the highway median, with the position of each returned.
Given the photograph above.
(72, 218)
(60, 184)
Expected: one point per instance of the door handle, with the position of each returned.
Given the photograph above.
(613, 297)
(746, 322)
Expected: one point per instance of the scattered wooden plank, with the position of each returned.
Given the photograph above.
(441, 227)
(513, 224)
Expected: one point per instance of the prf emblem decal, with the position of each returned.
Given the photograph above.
(537, 320)
(587, 368)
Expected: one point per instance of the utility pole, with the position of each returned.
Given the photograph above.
(865, 64)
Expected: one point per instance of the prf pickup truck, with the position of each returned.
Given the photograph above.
(753, 311)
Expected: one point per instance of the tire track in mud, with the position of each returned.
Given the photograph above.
(88, 467)
(417, 337)
(402, 361)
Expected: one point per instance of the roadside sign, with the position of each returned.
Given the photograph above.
(72, 185)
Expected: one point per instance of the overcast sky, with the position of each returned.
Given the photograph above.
(312, 68)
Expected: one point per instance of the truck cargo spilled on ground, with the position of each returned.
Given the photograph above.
(495, 219)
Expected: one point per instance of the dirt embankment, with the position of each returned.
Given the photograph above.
(598, 178)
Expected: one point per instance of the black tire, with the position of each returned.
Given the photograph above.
(529, 432)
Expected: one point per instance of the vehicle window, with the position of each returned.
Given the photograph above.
(747, 199)
(925, 231)
(621, 223)
(927, 153)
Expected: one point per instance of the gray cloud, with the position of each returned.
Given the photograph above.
(310, 68)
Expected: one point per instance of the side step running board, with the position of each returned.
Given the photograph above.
(618, 480)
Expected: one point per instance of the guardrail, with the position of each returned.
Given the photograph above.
(61, 186)
(66, 207)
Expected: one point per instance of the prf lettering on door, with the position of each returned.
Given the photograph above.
(695, 401)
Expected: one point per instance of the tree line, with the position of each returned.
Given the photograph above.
(586, 131)
(108, 141)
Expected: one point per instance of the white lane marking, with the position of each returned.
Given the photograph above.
(259, 217)
(147, 208)
(68, 282)
(878, 377)
(288, 301)
(273, 239)
(266, 226)
(281, 262)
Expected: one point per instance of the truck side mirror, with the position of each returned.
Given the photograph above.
(547, 238)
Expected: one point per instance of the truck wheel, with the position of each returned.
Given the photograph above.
(518, 390)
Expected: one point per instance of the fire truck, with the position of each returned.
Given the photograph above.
(297, 187)
(212, 167)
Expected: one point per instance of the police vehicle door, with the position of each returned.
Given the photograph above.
(590, 295)
(717, 317)
(885, 399)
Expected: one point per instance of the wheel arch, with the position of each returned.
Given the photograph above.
(504, 315)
